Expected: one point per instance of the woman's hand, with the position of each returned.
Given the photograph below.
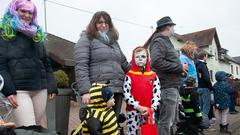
(86, 98)
(12, 99)
(51, 96)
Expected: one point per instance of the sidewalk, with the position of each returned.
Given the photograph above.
(234, 125)
(234, 121)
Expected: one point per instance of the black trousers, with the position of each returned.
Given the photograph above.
(118, 103)
(191, 127)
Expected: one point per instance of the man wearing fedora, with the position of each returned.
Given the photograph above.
(166, 63)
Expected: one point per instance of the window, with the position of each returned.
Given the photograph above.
(211, 75)
(232, 69)
(237, 70)
(216, 56)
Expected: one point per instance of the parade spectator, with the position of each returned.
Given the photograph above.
(99, 58)
(204, 86)
(98, 117)
(24, 63)
(141, 91)
(222, 92)
(192, 111)
(232, 109)
(187, 56)
(166, 63)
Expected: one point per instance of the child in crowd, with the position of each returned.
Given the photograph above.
(191, 108)
(232, 109)
(98, 118)
(222, 92)
(141, 91)
(186, 57)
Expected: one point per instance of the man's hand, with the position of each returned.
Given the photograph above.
(185, 67)
(12, 99)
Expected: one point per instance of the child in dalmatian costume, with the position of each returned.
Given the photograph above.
(141, 91)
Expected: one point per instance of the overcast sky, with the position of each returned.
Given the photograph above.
(134, 18)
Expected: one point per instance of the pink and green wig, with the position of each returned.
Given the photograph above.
(11, 23)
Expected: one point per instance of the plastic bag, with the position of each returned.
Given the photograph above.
(5, 107)
(149, 128)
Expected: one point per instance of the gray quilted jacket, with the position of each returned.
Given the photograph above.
(98, 62)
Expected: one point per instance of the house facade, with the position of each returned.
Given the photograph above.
(61, 52)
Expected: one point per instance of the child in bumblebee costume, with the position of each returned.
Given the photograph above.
(98, 117)
(191, 109)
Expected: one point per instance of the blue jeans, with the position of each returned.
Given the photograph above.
(204, 99)
(167, 110)
(232, 103)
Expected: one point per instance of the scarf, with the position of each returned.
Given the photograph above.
(105, 37)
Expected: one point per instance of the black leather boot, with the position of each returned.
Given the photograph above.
(221, 128)
(225, 129)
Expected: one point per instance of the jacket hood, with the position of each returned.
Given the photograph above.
(220, 76)
(96, 99)
(197, 62)
(134, 67)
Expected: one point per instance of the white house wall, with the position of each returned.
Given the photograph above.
(236, 67)
(176, 43)
(224, 67)
(213, 62)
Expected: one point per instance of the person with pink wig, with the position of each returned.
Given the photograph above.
(24, 64)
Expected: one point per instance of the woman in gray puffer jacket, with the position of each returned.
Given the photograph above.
(99, 58)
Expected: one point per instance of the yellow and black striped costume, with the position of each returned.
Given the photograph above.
(99, 110)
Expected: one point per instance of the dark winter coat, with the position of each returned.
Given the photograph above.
(165, 61)
(24, 65)
(203, 75)
(222, 90)
(99, 62)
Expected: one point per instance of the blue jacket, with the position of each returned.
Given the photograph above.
(222, 90)
(192, 72)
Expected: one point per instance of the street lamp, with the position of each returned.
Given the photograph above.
(45, 15)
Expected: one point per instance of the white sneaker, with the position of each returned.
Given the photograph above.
(212, 121)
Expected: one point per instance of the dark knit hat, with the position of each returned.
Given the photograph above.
(107, 93)
(164, 21)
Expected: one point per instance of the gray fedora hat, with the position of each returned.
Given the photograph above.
(164, 21)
